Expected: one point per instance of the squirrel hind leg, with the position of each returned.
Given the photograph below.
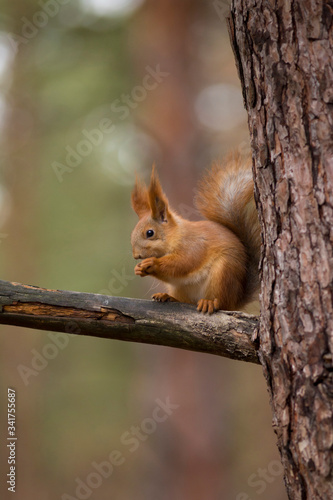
(208, 306)
(163, 297)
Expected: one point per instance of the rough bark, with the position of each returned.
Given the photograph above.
(284, 53)
(134, 320)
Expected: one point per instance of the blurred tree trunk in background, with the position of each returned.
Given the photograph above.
(21, 164)
(21, 168)
(193, 467)
(285, 56)
(164, 36)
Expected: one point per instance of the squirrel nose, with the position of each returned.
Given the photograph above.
(136, 256)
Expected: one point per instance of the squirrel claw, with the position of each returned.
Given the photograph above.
(208, 306)
(146, 267)
(163, 297)
(138, 271)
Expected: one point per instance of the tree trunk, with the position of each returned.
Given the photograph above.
(21, 174)
(284, 55)
(191, 465)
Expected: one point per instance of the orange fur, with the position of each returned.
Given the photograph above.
(139, 198)
(204, 262)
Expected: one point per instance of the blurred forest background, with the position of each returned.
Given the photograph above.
(91, 92)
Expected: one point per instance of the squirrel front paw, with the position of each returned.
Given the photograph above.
(208, 305)
(146, 267)
(163, 297)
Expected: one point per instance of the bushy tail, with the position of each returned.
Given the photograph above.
(225, 195)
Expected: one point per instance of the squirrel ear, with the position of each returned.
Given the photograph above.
(140, 198)
(159, 204)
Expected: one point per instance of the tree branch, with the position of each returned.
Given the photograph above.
(134, 320)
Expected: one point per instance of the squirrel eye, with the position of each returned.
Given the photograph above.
(150, 233)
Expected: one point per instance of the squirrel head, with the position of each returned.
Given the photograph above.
(154, 234)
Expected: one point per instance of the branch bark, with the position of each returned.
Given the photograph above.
(133, 320)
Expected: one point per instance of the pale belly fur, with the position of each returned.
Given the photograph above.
(187, 289)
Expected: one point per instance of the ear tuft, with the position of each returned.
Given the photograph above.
(140, 198)
(159, 204)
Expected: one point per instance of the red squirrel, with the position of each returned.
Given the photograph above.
(212, 263)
